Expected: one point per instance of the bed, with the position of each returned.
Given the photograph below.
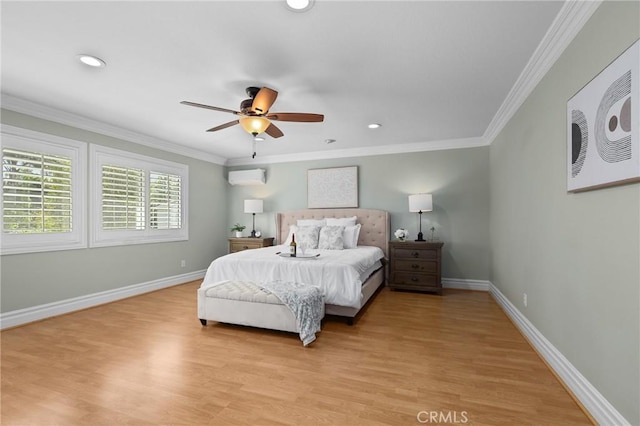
(347, 277)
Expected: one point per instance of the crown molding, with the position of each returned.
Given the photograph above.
(34, 109)
(571, 18)
(361, 152)
(569, 21)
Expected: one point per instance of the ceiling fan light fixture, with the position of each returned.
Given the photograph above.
(92, 61)
(253, 118)
(254, 125)
(299, 5)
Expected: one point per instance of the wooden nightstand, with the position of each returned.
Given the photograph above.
(415, 266)
(239, 244)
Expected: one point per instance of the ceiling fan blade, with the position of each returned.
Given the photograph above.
(224, 126)
(273, 131)
(209, 107)
(296, 116)
(263, 100)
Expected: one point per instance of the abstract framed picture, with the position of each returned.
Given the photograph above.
(603, 147)
(332, 188)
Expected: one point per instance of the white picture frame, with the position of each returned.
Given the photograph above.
(603, 139)
(332, 187)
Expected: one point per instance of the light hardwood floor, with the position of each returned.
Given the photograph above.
(147, 360)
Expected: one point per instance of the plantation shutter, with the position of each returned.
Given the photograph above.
(36, 192)
(165, 201)
(123, 198)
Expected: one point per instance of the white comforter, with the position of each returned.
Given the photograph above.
(336, 272)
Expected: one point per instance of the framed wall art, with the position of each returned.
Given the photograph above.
(332, 188)
(603, 147)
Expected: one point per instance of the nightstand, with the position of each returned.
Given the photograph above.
(239, 244)
(415, 266)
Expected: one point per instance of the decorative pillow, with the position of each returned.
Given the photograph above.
(343, 221)
(331, 238)
(312, 222)
(292, 230)
(307, 236)
(350, 236)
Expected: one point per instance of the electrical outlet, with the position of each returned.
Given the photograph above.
(524, 299)
(183, 263)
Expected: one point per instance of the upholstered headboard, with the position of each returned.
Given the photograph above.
(374, 231)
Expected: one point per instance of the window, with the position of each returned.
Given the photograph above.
(165, 193)
(43, 187)
(122, 198)
(36, 192)
(137, 199)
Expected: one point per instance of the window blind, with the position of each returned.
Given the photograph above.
(123, 198)
(137, 199)
(165, 205)
(36, 192)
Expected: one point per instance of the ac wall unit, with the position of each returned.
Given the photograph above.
(247, 177)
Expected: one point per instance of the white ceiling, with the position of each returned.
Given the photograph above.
(428, 71)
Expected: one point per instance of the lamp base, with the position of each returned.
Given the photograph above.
(420, 237)
(253, 231)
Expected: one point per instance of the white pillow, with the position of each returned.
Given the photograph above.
(307, 236)
(312, 222)
(343, 221)
(350, 236)
(331, 238)
(292, 229)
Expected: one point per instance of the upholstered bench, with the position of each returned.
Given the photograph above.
(245, 303)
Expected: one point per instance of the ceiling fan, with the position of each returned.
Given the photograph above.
(254, 113)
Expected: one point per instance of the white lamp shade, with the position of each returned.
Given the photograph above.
(253, 206)
(420, 203)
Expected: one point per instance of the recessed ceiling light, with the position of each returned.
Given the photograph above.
(374, 125)
(92, 61)
(299, 5)
(329, 140)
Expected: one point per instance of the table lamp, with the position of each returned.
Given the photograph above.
(253, 207)
(420, 203)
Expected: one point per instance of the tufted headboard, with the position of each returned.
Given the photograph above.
(374, 230)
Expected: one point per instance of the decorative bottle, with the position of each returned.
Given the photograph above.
(293, 247)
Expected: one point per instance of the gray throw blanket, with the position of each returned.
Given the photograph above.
(304, 300)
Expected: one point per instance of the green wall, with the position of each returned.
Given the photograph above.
(29, 280)
(576, 256)
(457, 178)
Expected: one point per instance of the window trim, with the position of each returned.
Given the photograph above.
(29, 140)
(98, 237)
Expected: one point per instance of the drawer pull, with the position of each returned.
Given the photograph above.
(415, 266)
(245, 247)
(414, 279)
(415, 254)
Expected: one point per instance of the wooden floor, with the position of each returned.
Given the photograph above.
(147, 360)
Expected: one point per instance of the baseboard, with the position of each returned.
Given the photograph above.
(36, 313)
(460, 284)
(597, 405)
